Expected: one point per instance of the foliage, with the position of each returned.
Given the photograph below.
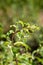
(25, 10)
(13, 47)
(23, 43)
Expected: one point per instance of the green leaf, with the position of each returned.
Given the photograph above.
(21, 44)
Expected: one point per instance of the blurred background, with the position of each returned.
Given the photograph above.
(12, 11)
